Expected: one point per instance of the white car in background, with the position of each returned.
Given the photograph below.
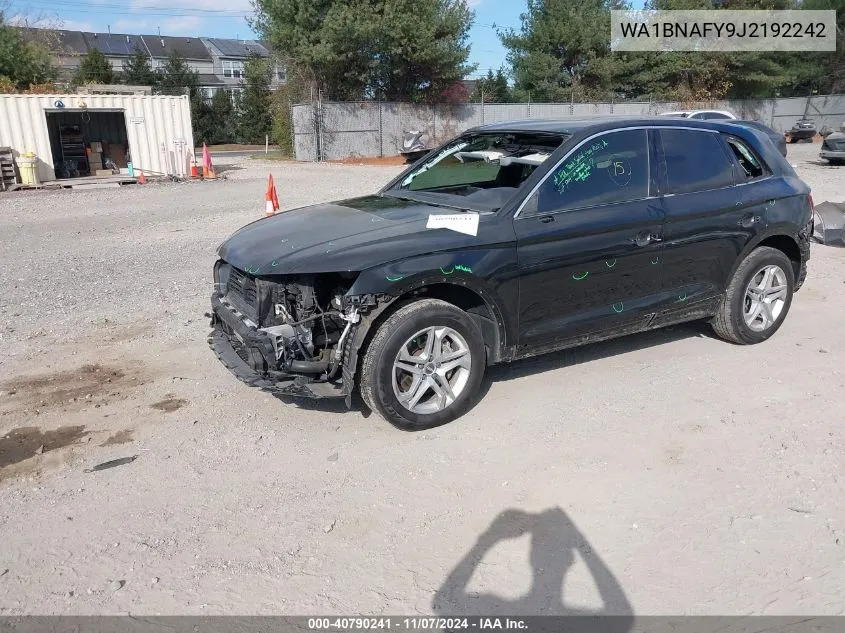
(701, 114)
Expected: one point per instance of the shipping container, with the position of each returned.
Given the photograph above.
(80, 134)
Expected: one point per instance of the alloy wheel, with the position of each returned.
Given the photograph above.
(765, 298)
(431, 370)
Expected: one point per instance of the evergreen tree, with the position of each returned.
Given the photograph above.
(202, 120)
(223, 117)
(404, 50)
(493, 88)
(138, 70)
(94, 68)
(254, 112)
(557, 48)
(176, 76)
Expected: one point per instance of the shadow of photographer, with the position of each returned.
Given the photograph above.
(555, 541)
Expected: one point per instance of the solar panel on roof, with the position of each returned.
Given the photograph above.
(231, 48)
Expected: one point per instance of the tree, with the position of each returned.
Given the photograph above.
(94, 68)
(202, 120)
(255, 119)
(176, 76)
(138, 70)
(22, 63)
(224, 118)
(295, 90)
(824, 72)
(410, 50)
(557, 45)
(492, 88)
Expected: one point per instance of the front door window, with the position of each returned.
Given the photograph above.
(608, 169)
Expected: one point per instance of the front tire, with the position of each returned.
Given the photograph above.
(424, 365)
(757, 299)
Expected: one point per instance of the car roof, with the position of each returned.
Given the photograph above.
(755, 124)
(577, 126)
(580, 129)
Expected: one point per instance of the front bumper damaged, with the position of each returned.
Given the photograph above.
(248, 353)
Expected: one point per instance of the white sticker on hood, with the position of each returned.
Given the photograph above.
(461, 222)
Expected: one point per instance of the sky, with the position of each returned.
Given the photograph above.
(228, 19)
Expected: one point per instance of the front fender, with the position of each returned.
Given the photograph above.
(490, 273)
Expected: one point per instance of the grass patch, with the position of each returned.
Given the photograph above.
(232, 147)
(273, 155)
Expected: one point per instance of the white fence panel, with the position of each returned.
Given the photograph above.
(377, 129)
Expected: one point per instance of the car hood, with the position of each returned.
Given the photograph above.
(350, 235)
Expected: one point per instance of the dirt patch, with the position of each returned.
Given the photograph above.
(28, 441)
(121, 437)
(88, 384)
(121, 333)
(168, 405)
(371, 160)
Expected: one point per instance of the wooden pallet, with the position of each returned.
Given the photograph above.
(93, 182)
(8, 175)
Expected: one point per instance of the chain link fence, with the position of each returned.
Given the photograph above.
(336, 131)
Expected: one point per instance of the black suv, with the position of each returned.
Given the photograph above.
(512, 240)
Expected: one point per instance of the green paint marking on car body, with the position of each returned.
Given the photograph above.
(274, 263)
(449, 272)
(393, 278)
(682, 297)
(463, 268)
(656, 260)
(609, 265)
(583, 276)
(619, 309)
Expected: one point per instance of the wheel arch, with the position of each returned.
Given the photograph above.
(460, 292)
(777, 237)
(477, 302)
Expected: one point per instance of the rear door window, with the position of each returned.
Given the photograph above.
(610, 168)
(695, 161)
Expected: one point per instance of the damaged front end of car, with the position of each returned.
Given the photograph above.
(293, 334)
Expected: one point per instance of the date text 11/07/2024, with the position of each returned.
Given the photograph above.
(416, 623)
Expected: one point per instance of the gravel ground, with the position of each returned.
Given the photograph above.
(665, 473)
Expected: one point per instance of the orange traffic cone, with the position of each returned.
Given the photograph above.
(271, 200)
(141, 179)
(195, 171)
(207, 166)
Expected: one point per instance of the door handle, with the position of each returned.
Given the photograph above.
(749, 220)
(645, 238)
(545, 219)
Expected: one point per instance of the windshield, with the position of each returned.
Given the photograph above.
(478, 171)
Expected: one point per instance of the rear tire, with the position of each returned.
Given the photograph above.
(423, 366)
(757, 299)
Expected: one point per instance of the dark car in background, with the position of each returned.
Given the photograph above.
(778, 139)
(512, 240)
(833, 147)
(803, 130)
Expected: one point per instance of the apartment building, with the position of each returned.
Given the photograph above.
(218, 62)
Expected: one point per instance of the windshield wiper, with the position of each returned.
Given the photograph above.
(429, 202)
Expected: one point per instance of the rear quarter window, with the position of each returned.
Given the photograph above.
(695, 161)
(751, 166)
